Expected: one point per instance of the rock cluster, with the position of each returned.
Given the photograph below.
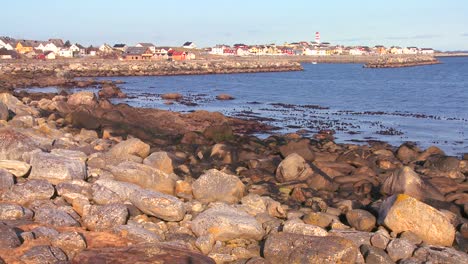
(402, 61)
(79, 195)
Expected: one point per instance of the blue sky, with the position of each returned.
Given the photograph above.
(424, 23)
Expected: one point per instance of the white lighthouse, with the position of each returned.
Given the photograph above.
(317, 37)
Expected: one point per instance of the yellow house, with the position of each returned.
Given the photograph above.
(254, 50)
(24, 47)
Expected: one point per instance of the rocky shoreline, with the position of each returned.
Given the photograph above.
(399, 62)
(82, 181)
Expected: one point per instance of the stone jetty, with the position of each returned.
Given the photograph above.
(85, 181)
(402, 61)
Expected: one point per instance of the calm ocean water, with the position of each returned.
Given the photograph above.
(427, 105)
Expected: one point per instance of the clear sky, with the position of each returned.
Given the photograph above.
(440, 24)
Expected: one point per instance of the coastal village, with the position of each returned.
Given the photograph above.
(52, 49)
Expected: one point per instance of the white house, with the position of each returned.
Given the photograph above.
(218, 50)
(78, 49)
(189, 45)
(356, 52)
(410, 50)
(428, 51)
(242, 52)
(315, 52)
(65, 53)
(5, 45)
(48, 46)
(49, 55)
(105, 48)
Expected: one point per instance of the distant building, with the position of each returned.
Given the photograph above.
(8, 54)
(6, 43)
(65, 53)
(77, 49)
(427, 51)
(121, 47)
(150, 46)
(106, 49)
(137, 53)
(189, 45)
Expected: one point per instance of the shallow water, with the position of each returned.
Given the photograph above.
(427, 105)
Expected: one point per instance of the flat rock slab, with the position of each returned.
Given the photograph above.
(56, 169)
(295, 248)
(215, 186)
(142, 253)
(15, 167)
(405, 213)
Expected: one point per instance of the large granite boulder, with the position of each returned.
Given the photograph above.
(153, 203)
(55, 217)
(360, 219)
(160, 160)
(56, 168)
(15, 167)
(404, 213)
(43, 254)
(32, 190)
(71, 243)
(8, 237)
(141, 253)
(104, 217)
(144, 176)
(10, 211)
(225, 222)
(407, 181)
(215, 185)
(292, 168)
(133, 146)
(14, 144)
(294, 248)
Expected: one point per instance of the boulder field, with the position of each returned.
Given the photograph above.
(85, 181)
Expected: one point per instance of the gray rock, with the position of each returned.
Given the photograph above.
(16, 106)
(133, 146)
(400, 249)
(106, 217)
(56, 169)
(160, 160)
(8, 237)
(137, 234)
(406, 181)
(6, 180)
(362, 220)
(69, 242)
(358, 237)
(296, 226)
(294, 248)
(75, 186)
(32, 190)
(407, 153)
(160, 205)
(144, 176)
(153, 203)
(71, 154)
(380, 239)
(54, 217)
(411, 237)
(14, 144)
(14, 212)
(4, 113)
(43, 254)
(319, 219)
(225, 223)
(44, 231)
(292, 168)
(434, 254)
(403, 213)
(102, 195)
(301, 147)
(215, 185)
(15, 167)
(375, 255)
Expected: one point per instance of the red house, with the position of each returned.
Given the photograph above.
(177, 55)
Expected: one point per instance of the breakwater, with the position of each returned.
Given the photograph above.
(398, 61)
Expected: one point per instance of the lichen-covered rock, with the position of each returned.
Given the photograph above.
(14, 144)
(405, 213)
(360, 219)
(69, 242)
(293, 167)
(32, 190)
(215, 185)
(434, 254)
(55, 168)
(8, 237)
(55, 217)
(43, 254)
(14, 212)
(144, 176)
(137, 234)
(106, 217)
(225, 223)
(296, 226)
(82, 98)
(295, 248)
(400, 249)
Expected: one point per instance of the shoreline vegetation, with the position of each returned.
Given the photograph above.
(83, 180)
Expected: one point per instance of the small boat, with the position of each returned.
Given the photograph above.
(314, 62)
